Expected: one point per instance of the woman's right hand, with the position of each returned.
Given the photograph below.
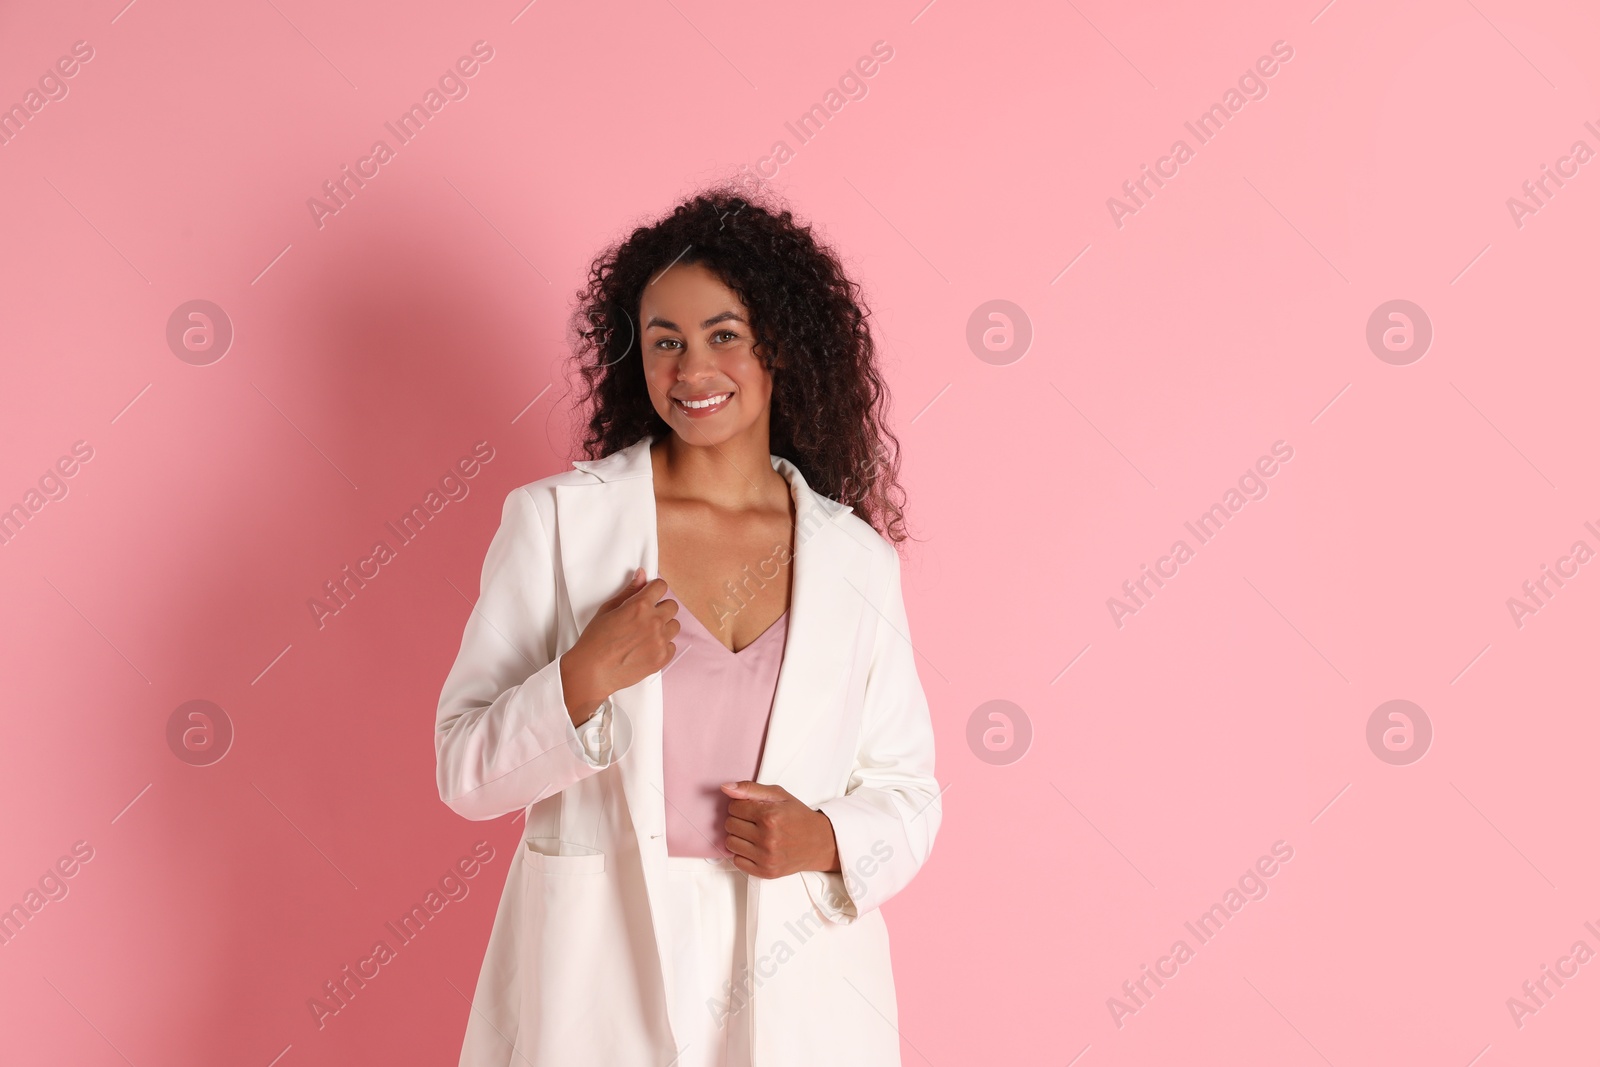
(629, 638)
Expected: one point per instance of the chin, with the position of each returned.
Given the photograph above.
(703, 437)
(707, 433)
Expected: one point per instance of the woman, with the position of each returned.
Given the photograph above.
(721, 785)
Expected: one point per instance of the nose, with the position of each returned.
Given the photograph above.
(697, 362)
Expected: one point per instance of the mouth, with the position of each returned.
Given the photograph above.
(701, 407)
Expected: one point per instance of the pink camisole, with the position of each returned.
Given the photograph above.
(716, 705)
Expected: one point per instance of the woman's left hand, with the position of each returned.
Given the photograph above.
(771, 833)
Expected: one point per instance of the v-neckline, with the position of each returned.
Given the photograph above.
(706, 630)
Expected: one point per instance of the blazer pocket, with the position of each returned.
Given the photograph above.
(554, 856)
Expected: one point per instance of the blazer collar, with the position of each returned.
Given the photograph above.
(633, 461)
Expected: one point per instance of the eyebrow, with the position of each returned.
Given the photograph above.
(657, 320)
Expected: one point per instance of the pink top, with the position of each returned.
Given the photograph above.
(716, 707)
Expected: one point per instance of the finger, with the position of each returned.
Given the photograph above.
(747, 867)
(741, 828)
(626, 591)
(750, 810)
(767, 794)
(651, 591)
(740, 847)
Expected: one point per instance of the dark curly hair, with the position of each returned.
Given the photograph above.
(828, 398)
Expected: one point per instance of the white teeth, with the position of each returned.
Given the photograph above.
(712, 402)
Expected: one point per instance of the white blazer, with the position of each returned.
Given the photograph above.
(573, 971)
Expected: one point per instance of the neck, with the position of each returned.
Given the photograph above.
(734, 474)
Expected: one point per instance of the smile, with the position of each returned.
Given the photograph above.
(699, 409)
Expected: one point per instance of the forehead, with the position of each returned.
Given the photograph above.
(687, 293)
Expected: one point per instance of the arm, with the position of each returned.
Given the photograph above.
(504, 737)
(885, 823)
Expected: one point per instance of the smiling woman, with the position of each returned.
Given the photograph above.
(793, 302)
(700, 782)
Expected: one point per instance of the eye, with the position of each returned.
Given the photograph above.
(733, 334)
(667, 341)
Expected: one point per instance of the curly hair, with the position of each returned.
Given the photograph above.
(828, 413)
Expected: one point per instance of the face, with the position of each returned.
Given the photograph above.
(700, 362)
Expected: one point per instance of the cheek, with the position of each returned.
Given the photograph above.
(756, 382)
(658, 376)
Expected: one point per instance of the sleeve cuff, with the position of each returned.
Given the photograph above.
(600, 740)
(865, 860)
(828, 893)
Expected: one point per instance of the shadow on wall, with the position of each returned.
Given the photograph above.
(320, 830)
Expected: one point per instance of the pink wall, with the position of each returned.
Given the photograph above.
(1172, 347)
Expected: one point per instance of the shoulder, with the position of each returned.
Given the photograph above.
(853, 533)
(629, 462)
(862, 534)
(546, 487)
(539, 496)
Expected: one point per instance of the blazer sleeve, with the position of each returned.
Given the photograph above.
(502, 738)
(885, 823)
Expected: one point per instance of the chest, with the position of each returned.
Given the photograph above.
(733, 573)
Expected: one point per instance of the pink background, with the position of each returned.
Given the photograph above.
(1228, 313)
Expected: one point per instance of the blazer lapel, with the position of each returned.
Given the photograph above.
(826, 599)
(606, 528)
